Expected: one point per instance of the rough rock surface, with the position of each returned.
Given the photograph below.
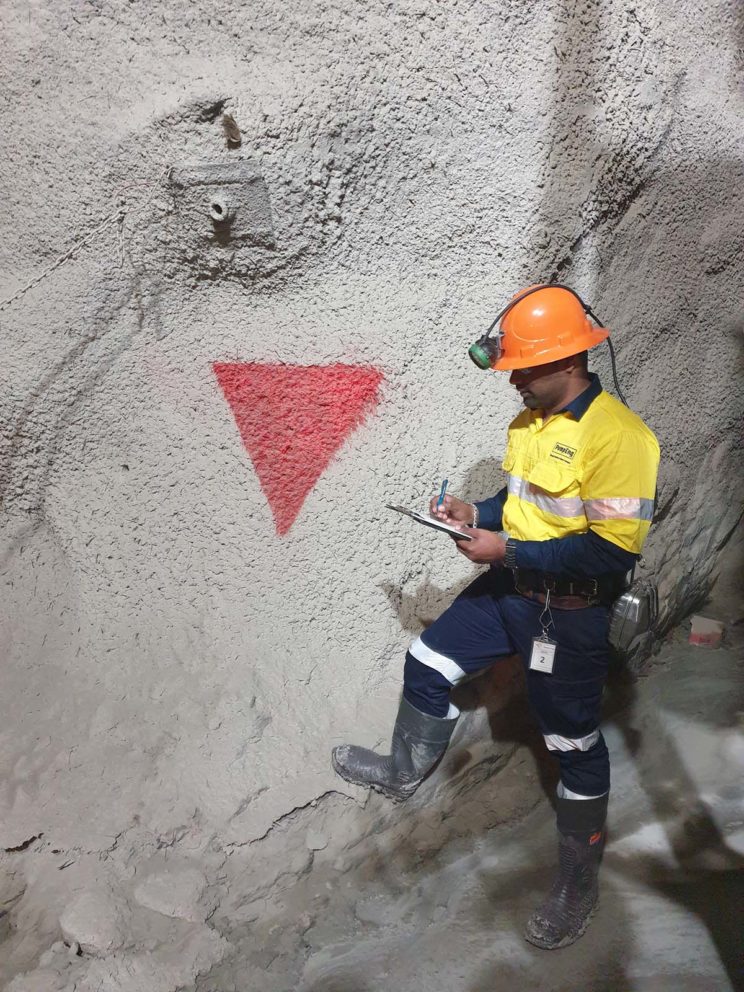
(174, 892)
(95, 922)
(174, 671)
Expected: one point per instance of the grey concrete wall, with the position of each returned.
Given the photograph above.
(176, 671)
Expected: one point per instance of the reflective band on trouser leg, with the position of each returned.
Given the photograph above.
(555, 742)
(563, 793)
(439, 662)
(586, 774)
(427, 688)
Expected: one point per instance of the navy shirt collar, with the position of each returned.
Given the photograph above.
(583, 401)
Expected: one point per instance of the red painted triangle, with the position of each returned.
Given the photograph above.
(293, 419)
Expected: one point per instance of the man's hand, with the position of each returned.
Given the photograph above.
(454, 512)
(486, 548)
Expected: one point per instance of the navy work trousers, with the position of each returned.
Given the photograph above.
(489, 621)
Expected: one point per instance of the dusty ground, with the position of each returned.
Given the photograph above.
(435, 899)
(670, 918)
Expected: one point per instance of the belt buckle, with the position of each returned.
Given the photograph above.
(593, 598)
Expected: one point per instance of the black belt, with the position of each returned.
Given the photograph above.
(604, 589)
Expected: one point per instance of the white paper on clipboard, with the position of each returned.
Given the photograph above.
(458, 535)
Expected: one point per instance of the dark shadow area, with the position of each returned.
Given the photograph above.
(420, 609)
(515, 895)
(717, 899)
(222, 230)
(502, 692)
(484, 479)
(620, 695)
(714, 894)
(610, 976)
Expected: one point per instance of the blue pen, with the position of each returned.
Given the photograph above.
(442, 491)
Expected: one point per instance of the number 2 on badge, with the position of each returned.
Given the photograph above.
(543, 655)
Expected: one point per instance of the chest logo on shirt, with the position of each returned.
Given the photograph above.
(563, 453)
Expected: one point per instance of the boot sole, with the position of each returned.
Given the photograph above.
(389, 794)
(570, 939)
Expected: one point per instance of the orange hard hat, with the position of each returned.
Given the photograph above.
(549, 323)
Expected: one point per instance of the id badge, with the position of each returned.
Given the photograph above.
(543, 654)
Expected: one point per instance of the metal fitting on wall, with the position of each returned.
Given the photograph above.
(220, 210)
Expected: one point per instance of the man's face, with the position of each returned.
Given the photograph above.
(541, 387)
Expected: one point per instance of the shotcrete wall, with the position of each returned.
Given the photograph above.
(203, 591)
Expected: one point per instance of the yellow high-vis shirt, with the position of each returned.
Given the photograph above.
(570, 474)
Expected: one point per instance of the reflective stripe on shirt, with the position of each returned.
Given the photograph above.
(609, 508)
(619, 508)
(570, 506)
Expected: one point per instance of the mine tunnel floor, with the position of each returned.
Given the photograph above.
(672, 885)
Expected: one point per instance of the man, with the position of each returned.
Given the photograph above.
(560, 539)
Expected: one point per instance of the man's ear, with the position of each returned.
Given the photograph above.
(572, 363)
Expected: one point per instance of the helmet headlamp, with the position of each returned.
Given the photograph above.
(486, 350)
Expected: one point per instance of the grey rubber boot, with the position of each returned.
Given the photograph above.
(419, 740)
(565, 914)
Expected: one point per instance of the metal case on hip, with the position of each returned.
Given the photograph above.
(633, 615)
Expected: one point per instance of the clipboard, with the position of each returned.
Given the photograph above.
(453, 532)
